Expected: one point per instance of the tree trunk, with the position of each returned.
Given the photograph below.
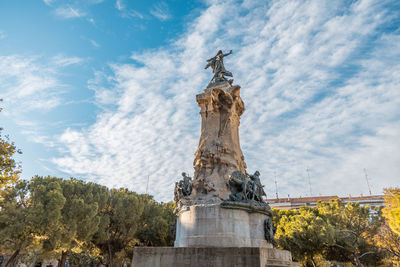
(12, 258)
(313, 261)
(110, 255)
(34, 261)
(357, 260)
(63, 258)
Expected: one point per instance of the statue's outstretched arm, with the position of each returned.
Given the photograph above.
(227, 54)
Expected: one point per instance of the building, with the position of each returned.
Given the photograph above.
(296, 203)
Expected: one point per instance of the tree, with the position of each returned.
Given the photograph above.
(84, 258)
(119, 221)
(353, 233)
(392, 210)
(279, 214)
(9, 168)
(157, 223)
(388, 237)
(305, 233)
(24, 219)
(78, 217)
(15, 227)
(389, 241)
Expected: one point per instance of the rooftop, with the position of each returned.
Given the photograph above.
(323, 198)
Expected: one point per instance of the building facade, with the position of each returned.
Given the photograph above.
(295, 203)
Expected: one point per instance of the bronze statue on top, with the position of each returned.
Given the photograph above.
(217, 64)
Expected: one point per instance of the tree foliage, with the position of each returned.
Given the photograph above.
(303, 233)
(78, 219)
(9, 168)
(16, 227)
(119, 221)
(354, 230)
(332, 231)
(24, 219)
(388, 237)
(156, 223)
(85, 222)
(392, 210)
(390, 242)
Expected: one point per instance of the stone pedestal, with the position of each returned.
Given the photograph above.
(214, 226)
(211, 257)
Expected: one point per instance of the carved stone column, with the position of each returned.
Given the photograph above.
(219, 152)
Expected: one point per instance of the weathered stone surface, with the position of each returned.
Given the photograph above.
(211, 257)
(218, 153)
(213, 226)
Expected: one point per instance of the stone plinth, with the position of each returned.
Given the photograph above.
(214, 226)
(211, 257)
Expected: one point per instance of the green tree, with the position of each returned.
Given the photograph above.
(157, 223)
(84, 258)
(392, 209)
(390, 242)
(119, 221)
(24, 219)
(15, 227)
(353, 233)
(388, 237)
(304, 233)
(9, 168)
(78, 217)
(279, 214)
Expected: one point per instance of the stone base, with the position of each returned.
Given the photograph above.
(211, 257)
(214, 226)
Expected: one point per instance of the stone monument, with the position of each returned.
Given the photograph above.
(222, 219)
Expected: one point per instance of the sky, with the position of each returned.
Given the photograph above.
(104, 90)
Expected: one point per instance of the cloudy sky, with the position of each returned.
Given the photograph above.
(104, 90)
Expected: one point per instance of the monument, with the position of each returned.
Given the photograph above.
(222, 219)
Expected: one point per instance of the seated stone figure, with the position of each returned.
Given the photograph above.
(239, 186)
(246, 187)
(183, 188)
(257, 190)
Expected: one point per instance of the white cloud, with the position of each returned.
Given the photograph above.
(132, 14)
(96, 1)
(64, 61)
(69, 12)
(31, 83)
(2, 35)
(94, 43)
(48, 2)
(127, 12)
(161, 11)
(319, 81)
(22, 77)
(119, 5)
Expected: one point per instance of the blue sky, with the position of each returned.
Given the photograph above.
(104, 90)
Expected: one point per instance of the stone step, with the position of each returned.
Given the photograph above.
(280, 263)
(211, 257)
